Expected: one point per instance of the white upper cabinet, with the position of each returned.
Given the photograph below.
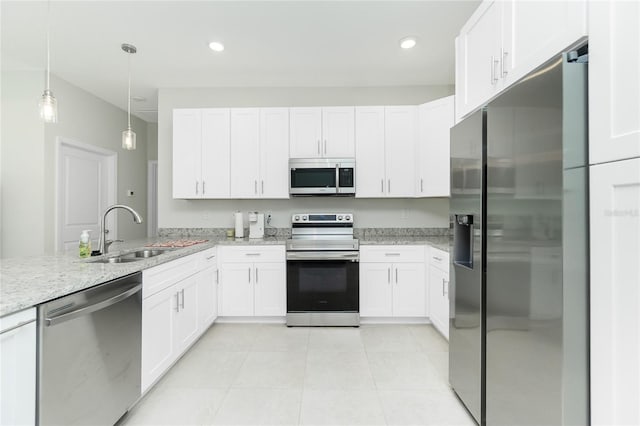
(305, 132)
(614, 82)
(245, 152)
(385, 150)
(201, 143)
(187, 145)
(534, 31)
(370, 158)
(400, 135)
(338, 132)
(505, 40)
(259, 152)
(435, 121)
(322, 132)
(274, 152)
(478, 57)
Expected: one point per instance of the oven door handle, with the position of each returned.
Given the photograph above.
(353, 256)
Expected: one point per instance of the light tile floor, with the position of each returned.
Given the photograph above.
(259, 374)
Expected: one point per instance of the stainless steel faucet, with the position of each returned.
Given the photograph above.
(104, 244)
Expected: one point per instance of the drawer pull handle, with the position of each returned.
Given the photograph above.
(252, 254)
(439, 259)
(211, 257)
(392, 254)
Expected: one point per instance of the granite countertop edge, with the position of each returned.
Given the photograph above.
(29, 281)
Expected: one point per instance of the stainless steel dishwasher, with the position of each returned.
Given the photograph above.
(89, 354)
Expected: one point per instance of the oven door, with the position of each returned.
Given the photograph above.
(323, 281)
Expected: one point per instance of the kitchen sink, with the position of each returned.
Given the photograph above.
(116, 259)
(133, 256)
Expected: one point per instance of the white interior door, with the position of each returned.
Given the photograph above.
(85, 188)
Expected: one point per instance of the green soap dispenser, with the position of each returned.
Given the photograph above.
(85, 244)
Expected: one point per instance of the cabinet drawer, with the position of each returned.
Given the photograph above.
(208, 258)
(395, 254)
(162, 276)
(14, 320)
(251, 254)
(439, 259)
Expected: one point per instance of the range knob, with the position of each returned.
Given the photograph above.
(297, 218)
(347, 217)
(304, 217)
(339, 217)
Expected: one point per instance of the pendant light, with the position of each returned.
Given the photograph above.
(48, 103)
(129, 136)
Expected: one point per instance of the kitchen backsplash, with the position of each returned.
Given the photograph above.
(283, 233)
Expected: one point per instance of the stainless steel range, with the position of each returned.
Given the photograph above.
(323, 285)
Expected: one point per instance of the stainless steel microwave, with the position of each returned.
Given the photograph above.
(322, 176)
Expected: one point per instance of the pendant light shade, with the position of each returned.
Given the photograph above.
(48, 104)
(48, 107)
(128, 135)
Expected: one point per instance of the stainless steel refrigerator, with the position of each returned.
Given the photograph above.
(518, 348)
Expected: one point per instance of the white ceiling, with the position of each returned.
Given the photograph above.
(267, 43)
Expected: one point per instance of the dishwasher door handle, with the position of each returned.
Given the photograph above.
(85, 310)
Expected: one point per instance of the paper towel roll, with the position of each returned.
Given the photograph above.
(239, 220)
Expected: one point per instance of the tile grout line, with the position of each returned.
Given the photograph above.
(304, 377)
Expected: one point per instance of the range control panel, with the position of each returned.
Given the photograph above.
(326, 218)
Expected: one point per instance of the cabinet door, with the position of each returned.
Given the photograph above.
(370, 174)
(478, 57)
(528, 44)
(338, 132)
(435, 121)
(18, 369)
(305, 132)
(400, 129)
(615, 293)
(207, 298)
(235, 297)
(157, 334)
(187, 139)
(245, 154)
(186, 323)
(274, 152)
(375, 289)
(614, 86)
(270, 285)
(215, 153)
(409, 289)
(439, 300)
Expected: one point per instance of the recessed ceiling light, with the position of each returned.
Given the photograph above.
(216, 46)
(408, 42)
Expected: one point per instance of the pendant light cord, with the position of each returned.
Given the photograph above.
(48, 43)
(129, 94)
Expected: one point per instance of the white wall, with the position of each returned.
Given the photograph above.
(217, 213)
(28, 166)
(22, 177)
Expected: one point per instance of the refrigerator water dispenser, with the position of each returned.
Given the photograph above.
(463, 240)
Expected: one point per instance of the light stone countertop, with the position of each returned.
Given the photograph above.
(29, 281)
(439, 242)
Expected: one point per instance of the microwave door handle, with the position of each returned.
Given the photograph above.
(337, 178)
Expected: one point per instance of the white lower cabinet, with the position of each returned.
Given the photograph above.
(18, 368)
(175, 311)
(207, 297)
(392, 281)
(252, 281)
(439, 290)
